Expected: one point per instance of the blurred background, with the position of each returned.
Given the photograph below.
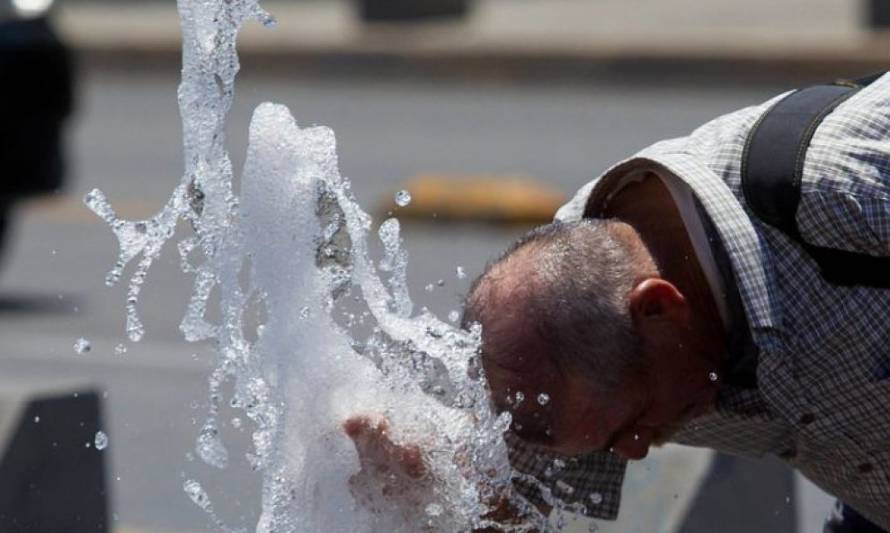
(489, 112)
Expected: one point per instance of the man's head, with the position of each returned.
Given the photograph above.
(605, 353)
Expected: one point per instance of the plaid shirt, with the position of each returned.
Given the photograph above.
(821, 400)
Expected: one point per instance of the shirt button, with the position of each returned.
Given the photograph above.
(866, 468)
(807, 418)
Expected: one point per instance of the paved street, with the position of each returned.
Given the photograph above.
(126, 142)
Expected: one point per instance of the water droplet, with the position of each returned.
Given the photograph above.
(305, 313)
(135, 330)
(519, 397)
(434, 509)
(430, 288)
(101, 440)
(36, 419)
(403, 198)
(236, 423)
(713, 376)
(120, 349)
(211, 449)
(454, 316)
(441, 283)
(596, 498)
(82, 346)
(264, 17)
(636, 436)
(543, 398)
(461, 274)
(196, 493)
(565, 487)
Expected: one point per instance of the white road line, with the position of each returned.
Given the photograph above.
(813, 505)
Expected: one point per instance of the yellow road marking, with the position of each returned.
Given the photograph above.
(70, 209)
(502, 199)
(474, 198)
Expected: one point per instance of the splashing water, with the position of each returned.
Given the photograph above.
(403, 198)
(288, 249)
(101, 440)
(82, 346)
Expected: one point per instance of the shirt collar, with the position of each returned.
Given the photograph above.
(745, 246)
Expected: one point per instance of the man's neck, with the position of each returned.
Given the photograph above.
(649, 208)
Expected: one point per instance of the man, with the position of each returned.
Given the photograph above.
(659, 308)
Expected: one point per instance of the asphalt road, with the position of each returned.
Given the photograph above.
(125, 141)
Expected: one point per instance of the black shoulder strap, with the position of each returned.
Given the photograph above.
(772, 167)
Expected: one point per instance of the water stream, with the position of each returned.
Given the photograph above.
(311, 329)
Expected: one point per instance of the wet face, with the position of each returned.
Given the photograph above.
(558, 407)
(560, 410)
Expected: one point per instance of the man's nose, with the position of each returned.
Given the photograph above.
(633, 445)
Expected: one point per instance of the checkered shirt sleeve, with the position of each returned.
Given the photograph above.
(845, 186)
(590, 483)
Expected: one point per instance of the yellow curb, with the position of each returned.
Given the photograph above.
(70, 209)
(492, 199)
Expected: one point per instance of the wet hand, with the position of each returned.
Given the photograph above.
(391, 475)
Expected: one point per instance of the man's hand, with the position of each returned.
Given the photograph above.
(393, 477)
(378, 453)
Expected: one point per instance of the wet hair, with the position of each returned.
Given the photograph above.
(561, 291)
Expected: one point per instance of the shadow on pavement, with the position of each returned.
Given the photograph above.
(34, 304)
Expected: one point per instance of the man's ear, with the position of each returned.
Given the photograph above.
(655, 300)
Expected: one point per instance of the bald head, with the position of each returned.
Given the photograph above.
(561, 292)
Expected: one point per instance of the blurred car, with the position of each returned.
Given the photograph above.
(35, 100)
(411, 10)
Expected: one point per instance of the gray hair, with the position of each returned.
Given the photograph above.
(562, 291)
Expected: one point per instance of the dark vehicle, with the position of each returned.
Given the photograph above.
(35, 100)
(411, 10)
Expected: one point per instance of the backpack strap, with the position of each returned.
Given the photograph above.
(772, 167)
